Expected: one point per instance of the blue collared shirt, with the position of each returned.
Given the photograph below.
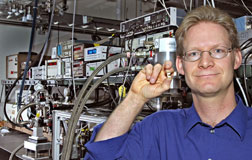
(180, 135)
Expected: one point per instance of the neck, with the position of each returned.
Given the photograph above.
(213, 109)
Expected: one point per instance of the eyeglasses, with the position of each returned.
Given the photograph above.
(217, 53)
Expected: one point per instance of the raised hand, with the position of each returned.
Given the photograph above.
(152, 81)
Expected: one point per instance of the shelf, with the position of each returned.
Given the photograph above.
(79, 81)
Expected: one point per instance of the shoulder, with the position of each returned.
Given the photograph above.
(249, 109)
(249, 121)
(162, 122)
(248, 116)
(167, 116)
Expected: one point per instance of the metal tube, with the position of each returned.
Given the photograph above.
(118, 9)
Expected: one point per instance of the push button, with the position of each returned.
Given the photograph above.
(212, 131)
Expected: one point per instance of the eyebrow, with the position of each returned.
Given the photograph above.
(214, 46)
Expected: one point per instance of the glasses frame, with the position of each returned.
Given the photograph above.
(209, 52)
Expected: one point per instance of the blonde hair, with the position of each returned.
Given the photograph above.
(205, 14)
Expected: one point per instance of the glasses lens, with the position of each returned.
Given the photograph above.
(219, 52)
(192, 55)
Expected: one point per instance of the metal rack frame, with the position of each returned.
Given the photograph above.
(59, 116)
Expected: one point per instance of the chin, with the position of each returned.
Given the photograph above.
(207, 90)
(207, 85)
(209, 93)
(205, 93)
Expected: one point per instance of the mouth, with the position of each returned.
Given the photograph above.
(207, 75)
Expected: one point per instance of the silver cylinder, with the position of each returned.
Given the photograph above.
(167, 52)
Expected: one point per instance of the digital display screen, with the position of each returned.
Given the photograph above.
(52, 64)
(76, 65)
(77, 49)
(92, 51)
(147, 19)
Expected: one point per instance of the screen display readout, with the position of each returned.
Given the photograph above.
(52, 64)
(92, 51)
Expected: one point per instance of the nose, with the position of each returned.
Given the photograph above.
(206, 60)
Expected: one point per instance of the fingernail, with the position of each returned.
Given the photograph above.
(148, 77)
(152, 80)
(168, 73)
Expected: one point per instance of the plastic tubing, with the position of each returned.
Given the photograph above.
(66, 155)
(82, 93)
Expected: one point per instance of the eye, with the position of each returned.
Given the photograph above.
(219, 50)
(193, 53)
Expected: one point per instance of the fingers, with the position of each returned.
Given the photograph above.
(148, 71)
(152, 72)
(153, 80)
(166, 84)
(156, 71)
(167, 65)
(168, 69)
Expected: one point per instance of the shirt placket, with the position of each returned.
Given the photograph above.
(212, 143)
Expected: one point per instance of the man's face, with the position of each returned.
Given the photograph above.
(208, 76)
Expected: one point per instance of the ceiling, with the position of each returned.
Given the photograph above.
(234, 7)
(105, 13)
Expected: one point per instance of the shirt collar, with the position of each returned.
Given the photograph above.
(192, 118)
(237, 120)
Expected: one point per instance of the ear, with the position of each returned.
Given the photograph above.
(179, 65)
(238, 59)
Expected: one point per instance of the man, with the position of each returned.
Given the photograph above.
(216, 127)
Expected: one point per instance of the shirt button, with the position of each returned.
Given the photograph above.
(211, 131)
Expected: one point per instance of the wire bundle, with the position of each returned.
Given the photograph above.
(37, 62)
(81, 101)
(245, 46)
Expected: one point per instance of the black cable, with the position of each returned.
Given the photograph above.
(59, 90)
(144, 61)
(246, 44)
(34, 63)
(150, 107)
(58, 36)
(1, 93)
(130, 43)
(101, 103)
(64, 7)
(110, 92)
(244, 77)
(250, 39)
(242, 6)
(11, 88)
(141, 47)
(29, 53)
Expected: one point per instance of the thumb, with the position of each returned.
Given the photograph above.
(165, 85)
